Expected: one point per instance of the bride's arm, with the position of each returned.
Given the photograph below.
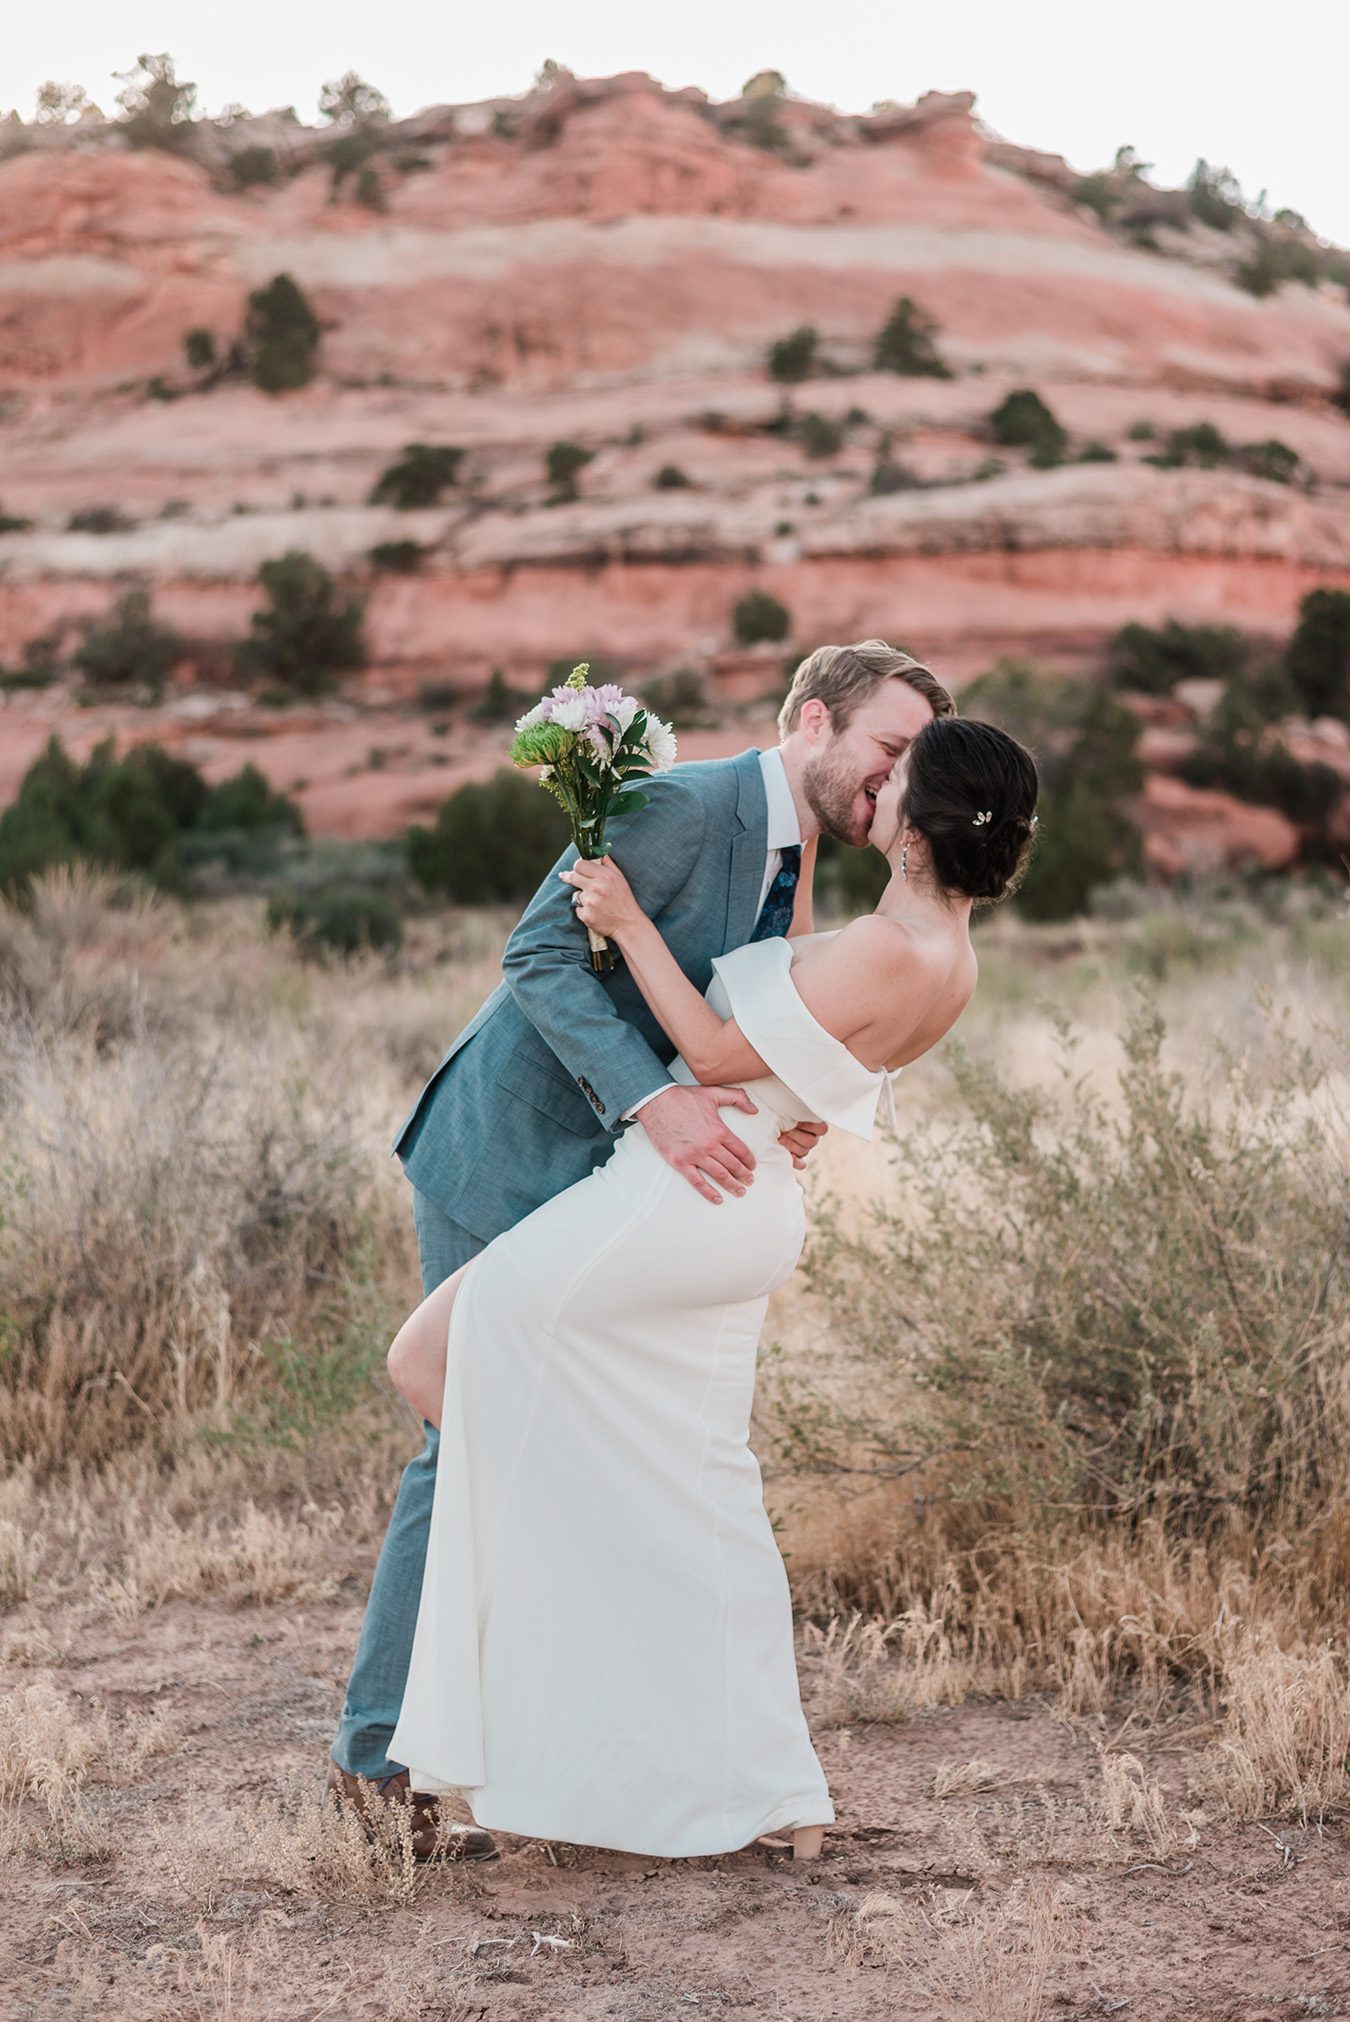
(715, 1049)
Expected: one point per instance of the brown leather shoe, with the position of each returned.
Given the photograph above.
(433, 1837)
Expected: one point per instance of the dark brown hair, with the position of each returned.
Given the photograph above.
(970, 791)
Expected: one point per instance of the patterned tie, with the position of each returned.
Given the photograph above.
(776, 913)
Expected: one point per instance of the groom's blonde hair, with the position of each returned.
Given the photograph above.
(842, 677)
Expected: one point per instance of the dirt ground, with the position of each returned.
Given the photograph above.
(203, 1888)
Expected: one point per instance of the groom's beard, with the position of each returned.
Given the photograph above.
(837, 801)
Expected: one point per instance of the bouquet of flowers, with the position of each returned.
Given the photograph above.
(592, 744)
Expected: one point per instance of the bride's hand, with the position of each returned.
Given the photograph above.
(604, 898)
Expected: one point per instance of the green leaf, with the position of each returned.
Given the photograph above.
(628, 803)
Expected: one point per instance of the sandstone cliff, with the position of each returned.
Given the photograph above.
(607, 262)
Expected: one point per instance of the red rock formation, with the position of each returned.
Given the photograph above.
(1196, 830)
(607, 261)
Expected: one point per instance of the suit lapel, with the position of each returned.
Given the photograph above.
(749, 848)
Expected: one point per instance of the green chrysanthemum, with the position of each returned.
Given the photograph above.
(540, 744)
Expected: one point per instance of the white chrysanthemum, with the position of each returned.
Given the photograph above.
(530, 718)
(570, 715)
(660, 743)
(623, 712)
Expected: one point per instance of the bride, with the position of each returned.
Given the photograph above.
(604, 1650)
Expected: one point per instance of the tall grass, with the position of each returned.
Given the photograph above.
(1061, 1404)
(187, 1192)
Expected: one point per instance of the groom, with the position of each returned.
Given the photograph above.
(527, 1099)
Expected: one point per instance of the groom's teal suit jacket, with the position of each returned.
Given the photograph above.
(526, 1099)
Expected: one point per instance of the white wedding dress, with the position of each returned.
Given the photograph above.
(604, 1648)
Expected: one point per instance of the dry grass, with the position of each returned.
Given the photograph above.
(299, 1844)
(1284, 1745)
(203, 1245)
(972, 1961)
(51, 1750)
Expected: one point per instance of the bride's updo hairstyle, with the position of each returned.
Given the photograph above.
(970, 791)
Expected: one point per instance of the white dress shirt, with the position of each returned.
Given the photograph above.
(783, 830)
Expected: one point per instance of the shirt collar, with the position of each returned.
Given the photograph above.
(784, 827)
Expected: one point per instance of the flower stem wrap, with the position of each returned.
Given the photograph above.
(592, 743)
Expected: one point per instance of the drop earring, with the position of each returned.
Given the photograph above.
(904, 862)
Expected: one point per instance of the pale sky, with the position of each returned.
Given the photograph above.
(1260, 89)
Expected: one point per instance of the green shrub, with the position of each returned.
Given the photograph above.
(13, 523)
(244, 804)
(41, 663)
(99, 519)
(1142, 431)
(819, 436)
(348, 101)
(436, 696)
(369, 188)
(138, 814)
(671, 478)
(762, 99)
(1254, 699)
(564, 463)
(253, 168)
(793, 357)
(1085, 742)
(399, 558)
(1266, 773)
(130, 647)
(907, 343)
(1152, 659)
(1131, 1319)
(1272, 459)
(1202, 446)
(1317, 658)
(199, 349)
(889, 476)
(500, 703)
(492, 841)
(848, 881)
(157, 109)
(1078, 849)
(305, 633)
(758, 616)
(1096, 452)
(347, 154)
(1276, 261)
(343, 920)
(681, 698)
(1023, 421)
(1215, 197)
(1341, 397)
(1097, 192)
(1205, 447)
(418, 477)
(281, 336)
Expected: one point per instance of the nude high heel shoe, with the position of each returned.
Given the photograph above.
(805, 1844)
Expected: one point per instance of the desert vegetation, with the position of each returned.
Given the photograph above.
(1094, 1664)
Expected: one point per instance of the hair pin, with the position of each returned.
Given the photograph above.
(981, 819)
(1034, 819)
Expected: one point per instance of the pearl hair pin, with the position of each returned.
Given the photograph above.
(980, 819)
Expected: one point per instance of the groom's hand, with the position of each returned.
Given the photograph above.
(802, 1140)
(684, 1126)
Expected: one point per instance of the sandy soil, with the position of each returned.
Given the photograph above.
(1007, 1900)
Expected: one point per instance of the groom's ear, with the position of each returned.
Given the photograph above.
(814, 719)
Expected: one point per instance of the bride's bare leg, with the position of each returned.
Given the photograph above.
(417, 1357)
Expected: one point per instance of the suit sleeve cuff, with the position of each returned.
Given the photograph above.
(633, 1108)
